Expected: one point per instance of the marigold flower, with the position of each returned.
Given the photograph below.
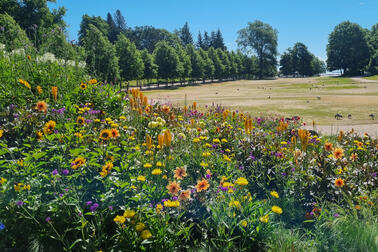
(141, 178)
(353, 156)
(129, 214)
(328, 146)
(174, 188)
(119, 219)
(184, 195)
(339, 182)
(156, 172)
(41, 106)
(180, 172)
(202, 185)
(241, 181)
(264, 219)
(140, 227)
(274, 194)
(277, 209)
(146, 234)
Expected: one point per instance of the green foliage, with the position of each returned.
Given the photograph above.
(150, 68)
(130, 60)
(100, 55)
(208, 66)
(169, 65)
(373, 43)
(11, 35)
(347, 48)
(197, 62)
(219, 68)
(185, 35)
(85, 26)
(262, 39)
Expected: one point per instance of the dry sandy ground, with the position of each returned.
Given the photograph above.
(310, 98)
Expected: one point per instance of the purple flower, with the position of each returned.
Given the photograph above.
(293, 169)
(66, 172)
(88, 121)
(55, 172)
(374, 174)
(94, 207)
(253, 158)
(2, 226)
(223, 188)
(88, 203)
(174, 198)
(110, 208)
(20, 203)
(208, 176)
(336, 215)
(163, 200)
(61, 195)
(283, 174)
(48, 219)
(80, 214)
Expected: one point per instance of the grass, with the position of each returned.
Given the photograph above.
(334, 80)
(374, 77)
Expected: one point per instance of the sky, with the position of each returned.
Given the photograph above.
(306, 21)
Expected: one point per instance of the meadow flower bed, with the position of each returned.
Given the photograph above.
(91, 168)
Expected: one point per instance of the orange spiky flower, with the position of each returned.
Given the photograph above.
(303, 136)
(167, 138)
(54, 92)
(149, 142)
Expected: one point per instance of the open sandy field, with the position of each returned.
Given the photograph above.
(317, 99)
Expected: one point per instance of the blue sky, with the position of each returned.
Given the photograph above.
(306, 21)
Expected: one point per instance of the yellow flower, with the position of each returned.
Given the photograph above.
(241, 181)
(141, 178)
(3, 180)
(224, 140)
(1, 132)
(140, 227)
(146, 234)
(204, 165)
(119, 219)
(226, 158)
(156, 172)
(206, 154)
(159, 164)
(129, 214)
(277, 209)
(274, 194)
(243, 223)
(159, 207)
(39, 89)
(148, 165)
(264, 219)
(216, 140)
(49, 127)
(234, 203)
(171, 203)
(196, 140)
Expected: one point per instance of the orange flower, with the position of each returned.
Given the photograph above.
(41, 106)
(105, 134)
(174, 188)
(339, 182)
(83, 86)
(328, 146)
(54, 92)
(39, 89)
(184, 195)
(338, 153)
(353, 156)
(115, 133)
(202, 185)
(180, 172)
(80, 120)
(49, 127)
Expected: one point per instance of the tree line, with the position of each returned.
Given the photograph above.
(116, 53)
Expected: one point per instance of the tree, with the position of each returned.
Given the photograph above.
(373, 43)
(286, 63)
(113, 31)
(218, 66)
(56, 43)
(98, 22)
(318, 66)
(12, 36)
(206, 41)
(130, 61)
(208, 66)
(34, 17)
(199, 41)
(150, 68)
(225, 62)
(119, 21)
(301, 60)
(100, 55)
(185, 35)
(196, 62)
(262, 39)
(347, 48)
(217, 40)
(169, 65)
(185, 61)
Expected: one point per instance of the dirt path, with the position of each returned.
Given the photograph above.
(362, 80)
(360, 129)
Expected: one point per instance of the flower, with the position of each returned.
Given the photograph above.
(114, 133)
(106, 168)
(119, 219)
(277, 209)
(339, 182)
(243, 223)
(25, 83)
(156, 172)
(65, 172)
(105, 134)
(264, 219)
(1, 132)
(202, 185)
(184, 195)
(39, 89)
(54, 92)
(328, 146)
(234, 203)
(20, 203)
(338, 153)
(48, 219)
(79, 161)
(274, 194)
(49, 127)
(80, 120)
(174, 188)
(129, 214)
(94, 207)
(83, 86)
(55, 172)
(241, 181)
(171, 203)
(39, 135)
(146, 234)
(41, 106)
(2, 226)
(2, 181)
(141, 178)
(180, 172)
(140, 227)
(147, 165)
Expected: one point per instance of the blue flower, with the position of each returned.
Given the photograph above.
(2, 226)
